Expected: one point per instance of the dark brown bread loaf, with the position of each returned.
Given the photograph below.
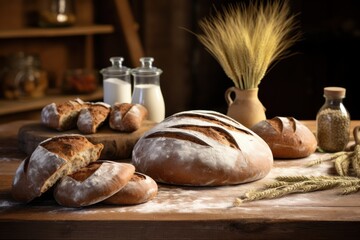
(202, 148)
(51, 160)
(93, 183)
(286, 137)
(127, 117)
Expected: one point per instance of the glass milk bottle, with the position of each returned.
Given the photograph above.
(117, 82)
(147, 89)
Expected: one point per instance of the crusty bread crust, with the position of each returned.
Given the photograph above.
(93, 183)
(202, 148)
(62, 116)
(286, 137)
(127, 117)
(51, 160)
(140, 189)
(92, 117)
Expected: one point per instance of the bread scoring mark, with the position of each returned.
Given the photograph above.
(215, 133)
(178, 135)
(214, 119)
(292, 123)
(85, 172)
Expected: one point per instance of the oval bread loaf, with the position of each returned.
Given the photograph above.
(286, 137)
(140, 189)
(202, 148)
(93, 183)
(127, 117)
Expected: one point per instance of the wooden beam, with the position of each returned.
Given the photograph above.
(130, 30)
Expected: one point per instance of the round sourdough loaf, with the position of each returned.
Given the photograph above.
(286, 137)
(93, 183)
(202, 148)
(140, 189)
(51, 160)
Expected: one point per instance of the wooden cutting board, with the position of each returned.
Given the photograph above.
(117, 145)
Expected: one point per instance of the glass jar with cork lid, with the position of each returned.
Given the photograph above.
(333, 121)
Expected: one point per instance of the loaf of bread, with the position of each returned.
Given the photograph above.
(202, 148)
(127, 117)
(51, 160)
(92, 117)
(62, 116)
(286, 137)
(93, 183)
(140, 189)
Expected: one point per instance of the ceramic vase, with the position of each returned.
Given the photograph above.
(244, 106)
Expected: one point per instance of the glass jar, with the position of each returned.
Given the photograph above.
(25, 78)
(117, 82)
(57, 13)
(333, 121)
(147, 89)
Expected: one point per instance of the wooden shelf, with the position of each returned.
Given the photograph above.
(55, 32)
(34, 104)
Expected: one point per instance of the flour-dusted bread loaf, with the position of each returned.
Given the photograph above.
(50, 161)
(127, 117)
(92, 117)
(62, 116)
(93, 183)
(286, 137)
(140, 189)
(202, 148)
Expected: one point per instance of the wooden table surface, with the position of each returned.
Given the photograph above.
(182, 212)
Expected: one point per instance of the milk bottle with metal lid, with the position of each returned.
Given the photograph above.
(147, 89)
(117, 82)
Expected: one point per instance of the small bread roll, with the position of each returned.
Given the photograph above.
(50, 161)
(286, 137)
(62, 116)
(92, 184)
(140, 189)
(92, 117)
(127, 117)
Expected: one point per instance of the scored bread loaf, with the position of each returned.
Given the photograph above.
(92, 117)
(50, 161)
(140, 189)
(127, 117)
(286, 137)
(93, 183)
(202, 148)
(62, 116)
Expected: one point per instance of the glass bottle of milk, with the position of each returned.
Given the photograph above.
(117, 82)
(147, 89)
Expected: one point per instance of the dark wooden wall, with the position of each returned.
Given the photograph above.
(327, 55)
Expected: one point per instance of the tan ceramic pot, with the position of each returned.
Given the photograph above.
(245, 107)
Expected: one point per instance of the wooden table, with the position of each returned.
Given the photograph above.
(182, 212)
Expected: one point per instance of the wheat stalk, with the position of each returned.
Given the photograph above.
(246, 40)
(344, 162)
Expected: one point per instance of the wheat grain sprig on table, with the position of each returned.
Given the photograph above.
(246, 40)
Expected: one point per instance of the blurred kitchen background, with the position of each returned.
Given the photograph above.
(327, 55)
